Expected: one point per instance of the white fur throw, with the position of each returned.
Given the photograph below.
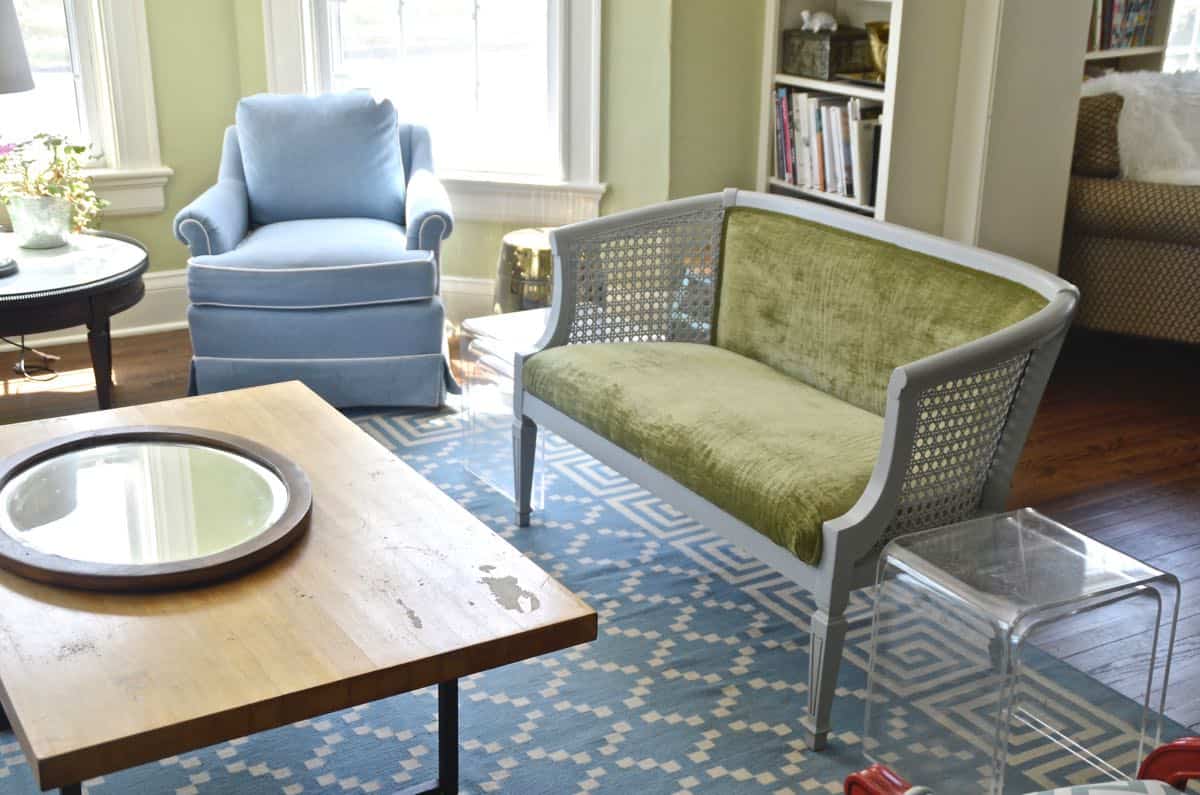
(1159, 129)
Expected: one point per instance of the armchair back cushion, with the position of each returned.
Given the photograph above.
(330, 156)
(840, 311)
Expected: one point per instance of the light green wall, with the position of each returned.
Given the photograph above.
(635, 102)
(677, 107)
(197, 82)
(716, 60)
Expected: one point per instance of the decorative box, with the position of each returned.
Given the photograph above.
(825, 54)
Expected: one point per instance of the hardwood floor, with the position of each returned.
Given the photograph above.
(1114, 453)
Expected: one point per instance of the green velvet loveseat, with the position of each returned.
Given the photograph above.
(804, 381)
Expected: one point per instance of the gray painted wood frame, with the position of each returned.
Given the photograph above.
(851, 542)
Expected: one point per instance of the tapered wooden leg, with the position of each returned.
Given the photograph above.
(100, 346)
(827, 637)
(524, 445)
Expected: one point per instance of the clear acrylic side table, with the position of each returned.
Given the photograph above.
(961, 676)
(487, 346)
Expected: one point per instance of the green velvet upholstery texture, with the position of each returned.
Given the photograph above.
(840, 311)
(777, 454)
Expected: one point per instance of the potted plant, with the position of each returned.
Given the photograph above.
(47, 195)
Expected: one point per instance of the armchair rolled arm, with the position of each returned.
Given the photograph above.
(216, 221)
(954, 426)
(639, 276)
(427, 212)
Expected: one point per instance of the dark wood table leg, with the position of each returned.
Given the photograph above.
(100, 344)
(447, 778)
(71, 789)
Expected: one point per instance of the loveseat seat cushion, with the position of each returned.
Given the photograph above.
(775, 453)
(321, 262)
(841, 311)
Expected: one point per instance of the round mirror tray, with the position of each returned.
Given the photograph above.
(147, 508)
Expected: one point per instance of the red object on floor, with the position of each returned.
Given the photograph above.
(1174, 763)
(875, 780)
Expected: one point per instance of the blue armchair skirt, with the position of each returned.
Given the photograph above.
(390, 354)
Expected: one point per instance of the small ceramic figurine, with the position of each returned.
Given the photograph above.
(817, 21)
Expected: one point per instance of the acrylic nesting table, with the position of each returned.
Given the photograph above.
(960, 670)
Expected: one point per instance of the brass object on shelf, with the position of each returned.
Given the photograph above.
(524, 272)
(877, 38)
(822, 55)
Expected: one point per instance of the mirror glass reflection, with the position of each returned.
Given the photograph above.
(141, 502)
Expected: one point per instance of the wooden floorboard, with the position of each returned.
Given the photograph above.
(1114, 452)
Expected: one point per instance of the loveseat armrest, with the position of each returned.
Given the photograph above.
(1128, 209)
(216, 221)
(954, 426)
(646, 275)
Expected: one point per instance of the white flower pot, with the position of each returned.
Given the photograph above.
(40, 221)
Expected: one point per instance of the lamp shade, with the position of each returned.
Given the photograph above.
(14, 65)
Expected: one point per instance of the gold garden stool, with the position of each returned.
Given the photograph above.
(523, 274)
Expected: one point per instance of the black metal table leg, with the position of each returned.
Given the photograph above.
(446, 782)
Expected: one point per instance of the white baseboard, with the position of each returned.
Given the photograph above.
(165, 308)
(466, 297)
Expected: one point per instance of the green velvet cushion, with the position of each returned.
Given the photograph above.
(777, 454)
(840, 311)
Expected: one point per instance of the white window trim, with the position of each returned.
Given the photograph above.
(478, 197)
(135, 180)
(121, 105)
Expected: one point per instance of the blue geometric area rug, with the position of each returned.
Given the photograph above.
(696, 683)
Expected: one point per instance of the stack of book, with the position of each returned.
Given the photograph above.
(1117, 24)
(828, 144)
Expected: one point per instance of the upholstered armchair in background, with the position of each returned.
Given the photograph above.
(315, 255)
(1132, 246)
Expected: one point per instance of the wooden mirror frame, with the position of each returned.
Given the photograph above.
(70, 573)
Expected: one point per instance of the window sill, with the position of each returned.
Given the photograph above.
(479, 198)
(132, 191)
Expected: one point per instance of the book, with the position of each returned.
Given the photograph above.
(817, 143)
(780, 161)
(827, 145)
(876, 135)
(789, 153)
(848, 176)
(799, 104)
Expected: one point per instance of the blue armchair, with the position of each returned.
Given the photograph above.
(315, 256)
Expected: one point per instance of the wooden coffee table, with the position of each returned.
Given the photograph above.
(394, 587)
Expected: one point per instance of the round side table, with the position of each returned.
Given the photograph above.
(85, 282)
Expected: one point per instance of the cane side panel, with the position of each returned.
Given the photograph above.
(959, 426)
(648, 282)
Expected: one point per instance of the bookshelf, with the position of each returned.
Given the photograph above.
(918, 96)
(1146, 55)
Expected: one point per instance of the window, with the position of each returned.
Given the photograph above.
(58, 102)
(507, 88)
(1183, 43)
(481, 74)
(91, 71)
